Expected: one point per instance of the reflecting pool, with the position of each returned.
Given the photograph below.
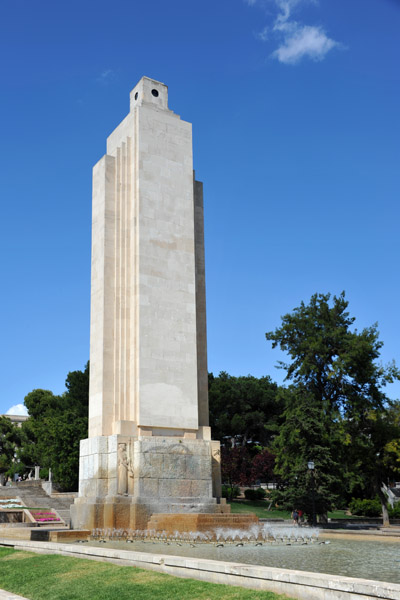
(378, 560)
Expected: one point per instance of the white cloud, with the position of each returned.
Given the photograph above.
(17, 409)
(295, 40)
(304, 41)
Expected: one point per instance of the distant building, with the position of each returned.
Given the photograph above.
(16, 419)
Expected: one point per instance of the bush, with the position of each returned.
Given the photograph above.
(261, 493)
(230, 492)
(258, 494)
(394, 512)
(365, 507)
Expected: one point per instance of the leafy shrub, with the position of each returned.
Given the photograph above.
(258, 494)
(394, 512)
(365, 507)
(230, 492)
(261, 493)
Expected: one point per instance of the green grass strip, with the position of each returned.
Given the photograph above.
(259, 508)
(55, 577)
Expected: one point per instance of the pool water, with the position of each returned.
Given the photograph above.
(379, 560)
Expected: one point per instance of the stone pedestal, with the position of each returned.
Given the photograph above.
(126, 479)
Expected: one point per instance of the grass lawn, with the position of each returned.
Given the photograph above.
(259, 508)
(341, 514)
(55, 577)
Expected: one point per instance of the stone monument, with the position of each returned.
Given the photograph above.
(149, 448)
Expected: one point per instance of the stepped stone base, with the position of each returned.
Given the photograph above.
(123, 480)
(199, 522)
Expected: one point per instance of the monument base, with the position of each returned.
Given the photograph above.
(200, 522)
(123, 480)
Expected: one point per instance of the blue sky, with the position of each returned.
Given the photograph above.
(295, 112)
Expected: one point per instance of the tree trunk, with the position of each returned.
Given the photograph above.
(323, 518)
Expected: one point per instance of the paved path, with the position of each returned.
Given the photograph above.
(9, 596)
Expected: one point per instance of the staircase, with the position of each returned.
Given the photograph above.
(33, 496)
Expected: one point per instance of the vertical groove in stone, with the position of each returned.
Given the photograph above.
(128, 414)
(117, 308)
(122, 280)
(135, 274)
(201, 323)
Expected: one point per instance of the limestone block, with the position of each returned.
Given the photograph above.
(199, 447)
(81, 462)
(101, 488)
(205, 464)
(87, 487)
(122, 516)
(193, 470)
(112, 464)
(177, 447)
(112, 443)
(173, 467)
(151, 465)
(201, 488)
(216, 469)
(102, 472)
(175, 487)
(109, 515)
(98, 445)
(83, 468)
(148, 487)
(97, 461)
(204, 433)
(92, 446)
(90, 466)
(112, 486)
(84, 447)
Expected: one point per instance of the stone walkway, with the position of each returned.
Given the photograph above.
(10, 596)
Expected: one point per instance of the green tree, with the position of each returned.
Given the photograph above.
(335, 372)
(391, 450)
(9, 441)
(56, 425)
(304, 436)
(243, 410)
(371, 443)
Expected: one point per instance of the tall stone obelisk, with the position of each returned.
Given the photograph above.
(149, 448)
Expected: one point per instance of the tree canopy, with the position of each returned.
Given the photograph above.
(243, 410)
(335, 407)
(56, 425)
(10, 438)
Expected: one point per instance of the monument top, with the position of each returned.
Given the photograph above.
(149, 91)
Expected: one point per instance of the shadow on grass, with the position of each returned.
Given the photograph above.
(55, 577)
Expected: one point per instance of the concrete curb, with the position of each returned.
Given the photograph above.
(10, 596)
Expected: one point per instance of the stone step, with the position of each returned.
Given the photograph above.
(199, 521)
(34, 496)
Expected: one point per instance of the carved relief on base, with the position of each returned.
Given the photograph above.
(125, 469)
